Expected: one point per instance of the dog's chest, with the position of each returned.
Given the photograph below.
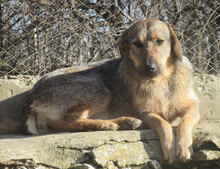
(154, 99)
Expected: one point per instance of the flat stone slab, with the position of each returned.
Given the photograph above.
(102, 149)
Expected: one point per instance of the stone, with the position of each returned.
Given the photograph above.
(123, 154)
(64, 150)
(83, 166)
(208, 91)
(102, 149)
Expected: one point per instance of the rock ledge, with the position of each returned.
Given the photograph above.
(102, 149)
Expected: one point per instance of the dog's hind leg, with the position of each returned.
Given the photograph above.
(82, 123)
(73, 110)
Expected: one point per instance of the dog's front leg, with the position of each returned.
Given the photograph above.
(184, 133)
(166, 135)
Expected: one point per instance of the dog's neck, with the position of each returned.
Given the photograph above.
(149, 94)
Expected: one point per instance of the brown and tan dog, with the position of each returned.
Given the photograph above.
(152, 81)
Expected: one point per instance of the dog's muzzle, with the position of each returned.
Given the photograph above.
(151, 68)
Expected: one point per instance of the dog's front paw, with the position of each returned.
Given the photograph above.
(169, 153)
(127, 123)
(133, 123)
(183, 151)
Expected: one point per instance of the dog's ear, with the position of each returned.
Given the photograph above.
(123, 43)
(175, 45)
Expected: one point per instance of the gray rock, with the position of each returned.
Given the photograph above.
(103, 149)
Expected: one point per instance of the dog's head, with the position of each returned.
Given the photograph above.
(149, 46)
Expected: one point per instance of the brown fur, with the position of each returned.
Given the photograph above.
(151, 82)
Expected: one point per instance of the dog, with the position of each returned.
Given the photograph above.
(149, 86)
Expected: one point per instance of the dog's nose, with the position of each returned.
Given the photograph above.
(151, 67)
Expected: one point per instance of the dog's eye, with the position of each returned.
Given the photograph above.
(159, 42)
(138, 44)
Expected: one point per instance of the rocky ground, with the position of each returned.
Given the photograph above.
(106, 149)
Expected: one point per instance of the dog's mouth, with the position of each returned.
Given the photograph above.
(150, 74)
(153, 74)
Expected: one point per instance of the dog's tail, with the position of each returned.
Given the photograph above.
(30, 125)
(29, 118)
